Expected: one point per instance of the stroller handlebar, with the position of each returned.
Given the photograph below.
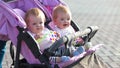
(69, 37)
(86, 31)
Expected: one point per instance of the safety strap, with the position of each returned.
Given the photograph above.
(12, 54)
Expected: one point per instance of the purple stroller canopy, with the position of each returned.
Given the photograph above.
(50, 4)
(9, 19)
(26, 5)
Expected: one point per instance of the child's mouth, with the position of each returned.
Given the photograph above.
(65, 24)
(38, 28)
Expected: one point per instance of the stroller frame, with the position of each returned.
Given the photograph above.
(23, 35)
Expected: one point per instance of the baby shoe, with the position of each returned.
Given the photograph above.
(78, 51)
(65, 58)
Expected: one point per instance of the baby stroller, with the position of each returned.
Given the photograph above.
(12, 23)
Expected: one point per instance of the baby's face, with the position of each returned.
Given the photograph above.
(35, 24)
(63, 20)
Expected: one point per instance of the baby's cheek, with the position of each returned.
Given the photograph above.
(42, 24)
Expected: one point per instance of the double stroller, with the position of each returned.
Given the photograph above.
(13, 27)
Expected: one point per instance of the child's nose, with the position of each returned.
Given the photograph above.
(38, 25)
(66, 21)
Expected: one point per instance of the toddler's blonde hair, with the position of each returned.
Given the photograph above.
(58, 9)
(36, 12)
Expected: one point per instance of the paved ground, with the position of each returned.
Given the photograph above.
(106, 15)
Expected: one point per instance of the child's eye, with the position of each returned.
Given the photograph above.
(34, 23)
(41, 22)
(62, 19)
(68, 19)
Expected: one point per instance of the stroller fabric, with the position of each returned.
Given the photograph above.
(26, 5)
(50, 4)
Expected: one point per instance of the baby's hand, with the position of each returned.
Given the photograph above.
(79, 40)
(58, 35)
(38, 36)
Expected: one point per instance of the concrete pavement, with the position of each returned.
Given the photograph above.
(103, 13)
(106, 15)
